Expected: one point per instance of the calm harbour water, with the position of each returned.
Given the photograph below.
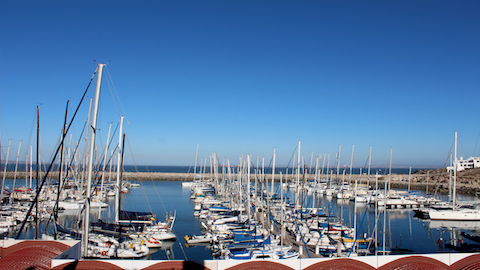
(403, 231)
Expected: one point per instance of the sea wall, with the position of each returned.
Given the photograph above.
(434, 183)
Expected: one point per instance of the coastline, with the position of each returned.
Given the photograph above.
(468, 182)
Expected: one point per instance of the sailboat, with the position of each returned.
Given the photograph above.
(464, 212)
(145, 226)
(93, 244)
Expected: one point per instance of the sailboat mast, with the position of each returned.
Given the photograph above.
(273, 169)
(31, 161)
(15, 174)
(355, 214)
(338, 162)
(455, 164)
(409, 177)
(369, 165)
(26, 173)
(118, 187)
(5, 166)
(297, 188)
(390, 170)
(328, 168)
(84, 159)
(281, 212)
(450, 180)
(60, 180)
(121, 176)
(195, 168)
(86, 223)
(103, 170)
(351, 164)
(37, 172)
(248, 188)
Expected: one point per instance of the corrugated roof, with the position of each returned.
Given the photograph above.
(31, 255)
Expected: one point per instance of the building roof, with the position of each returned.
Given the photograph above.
(30, 254)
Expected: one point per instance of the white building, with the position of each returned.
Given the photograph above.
(462, 164)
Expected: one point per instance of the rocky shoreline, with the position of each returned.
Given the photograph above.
(468, 181)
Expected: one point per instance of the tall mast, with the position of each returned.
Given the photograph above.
(273, 169)
(26, 173)
(450, 181)
(84, 159)
(103, 170)
(351, 165)
(5, 167)
(338, 161)
(86, 223)
(121, 172)
(248, 188)
(369, 165)
(118, 187)
(355, 214)
(15, 174)
(390, 170)
(195, 168)
(31, 169)
(317, 165)
(409, 176)
(60, 180)
(323, 165)
(455, 164)
(281, 212)
(314, 194)
(37, 172)
(328, 168)
(297, 188)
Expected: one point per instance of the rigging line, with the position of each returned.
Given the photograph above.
(110, 142)
(133, 159)
(115, 93)
(181, 246)
(437, 183)
(366, 162)
(135, 141)
(301, 234)
(31, 130)
(358, 229)
(109, 80)
(112, 86)
(476, 144)
(291, 158)
(463, 148)
(53, 160)
(66, 175)
(441, 173)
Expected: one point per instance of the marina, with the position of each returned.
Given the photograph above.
(404, 233)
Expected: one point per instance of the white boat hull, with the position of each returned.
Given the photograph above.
(460, 214)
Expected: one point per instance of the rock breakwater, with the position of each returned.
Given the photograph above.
(433, 181)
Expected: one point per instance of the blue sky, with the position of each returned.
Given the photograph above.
(245, 77)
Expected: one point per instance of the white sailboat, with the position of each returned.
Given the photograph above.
(96, 245)
(464, 212)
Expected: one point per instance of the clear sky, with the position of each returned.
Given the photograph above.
(246, 77)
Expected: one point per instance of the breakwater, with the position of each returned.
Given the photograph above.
(433, 183)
